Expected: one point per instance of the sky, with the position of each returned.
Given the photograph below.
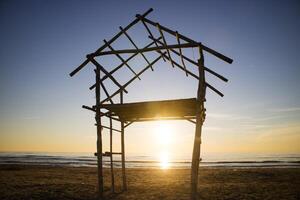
(43, 41)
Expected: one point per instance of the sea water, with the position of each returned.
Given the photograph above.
(143, 161)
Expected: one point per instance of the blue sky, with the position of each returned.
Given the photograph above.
(43, 41)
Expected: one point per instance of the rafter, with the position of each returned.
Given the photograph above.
(120, 57)
(193, 62)
(110, 41)
(205, 48)
(136, 47)
(122, 64)
(164, 47)
(165, 43)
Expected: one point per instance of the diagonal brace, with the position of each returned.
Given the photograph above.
(132, 42)
(120, 57)
(107, 73)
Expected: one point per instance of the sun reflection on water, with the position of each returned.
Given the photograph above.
(164, 160)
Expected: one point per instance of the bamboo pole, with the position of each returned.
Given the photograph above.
(180, 53)
(193, 62)
(123, 149)
(199, 122)
(165, 43)
(100, 67)
(150, 33)
(192, 74)
(136, 47)
(126, 84)
(111, 156)
(110, 41)
(119, 66)
(164, 47)
(109, 128)
(209, 50)
(120, 58)
(99, 135)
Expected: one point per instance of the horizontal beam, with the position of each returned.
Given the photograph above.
(150, 33)
(106, 73)
(110, 41)
(165, 43)
(101, 114)
(121, 58)
(126, 84)
(128, 124)
(193, 62)
(165, 47)
(193, 75)
(110, 128)
(158, 119)
(207, 49)
(107, 153)
(136, 47)
(119, 66)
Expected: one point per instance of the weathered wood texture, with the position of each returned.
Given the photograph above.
(99, 135)
(123, 148)
(111, 155)
(151, 110)
(128, 113)
(198, 131)
(110, 41)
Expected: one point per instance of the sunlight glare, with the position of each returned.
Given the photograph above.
(164, 160)
(163, 132)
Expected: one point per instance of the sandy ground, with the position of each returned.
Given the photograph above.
(45, 182)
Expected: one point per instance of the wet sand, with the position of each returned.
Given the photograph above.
(53, 182)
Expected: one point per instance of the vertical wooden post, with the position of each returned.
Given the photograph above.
(99, 135)
(199, 122)
(123, 148)
(111, 157)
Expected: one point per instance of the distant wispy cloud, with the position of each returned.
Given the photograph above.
(226, 116)
(290, 109)
(212, 128)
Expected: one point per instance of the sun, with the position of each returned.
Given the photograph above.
(163, 132)
(164, 160)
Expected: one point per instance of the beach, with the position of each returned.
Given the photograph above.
(66, 182)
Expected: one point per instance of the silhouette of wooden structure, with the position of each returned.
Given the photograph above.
(127, 113)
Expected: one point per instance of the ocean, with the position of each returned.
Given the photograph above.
(208, 160)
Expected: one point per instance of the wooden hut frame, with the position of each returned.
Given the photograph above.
(127, 113)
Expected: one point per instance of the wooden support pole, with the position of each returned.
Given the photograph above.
(99, 135)
(128, 124)
(193, 62)
(110, 41)
(105, 90)
(180, 53)
(164, 47)
(123, 149)
(100, 67)
(151, 35)
(111, 156)
(120, 58)
(209, 50)
(199, 122)
(136, 47)
(192, 74)
(121, 65)
(126, 84)
(165, 43)
(109, 128)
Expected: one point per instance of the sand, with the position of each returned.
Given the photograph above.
(53, 182)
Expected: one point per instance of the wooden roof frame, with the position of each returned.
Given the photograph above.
(188, 109)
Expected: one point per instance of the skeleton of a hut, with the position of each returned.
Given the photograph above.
(127, 113)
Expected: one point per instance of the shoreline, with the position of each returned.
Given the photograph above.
(64, 182)
(149, 167)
